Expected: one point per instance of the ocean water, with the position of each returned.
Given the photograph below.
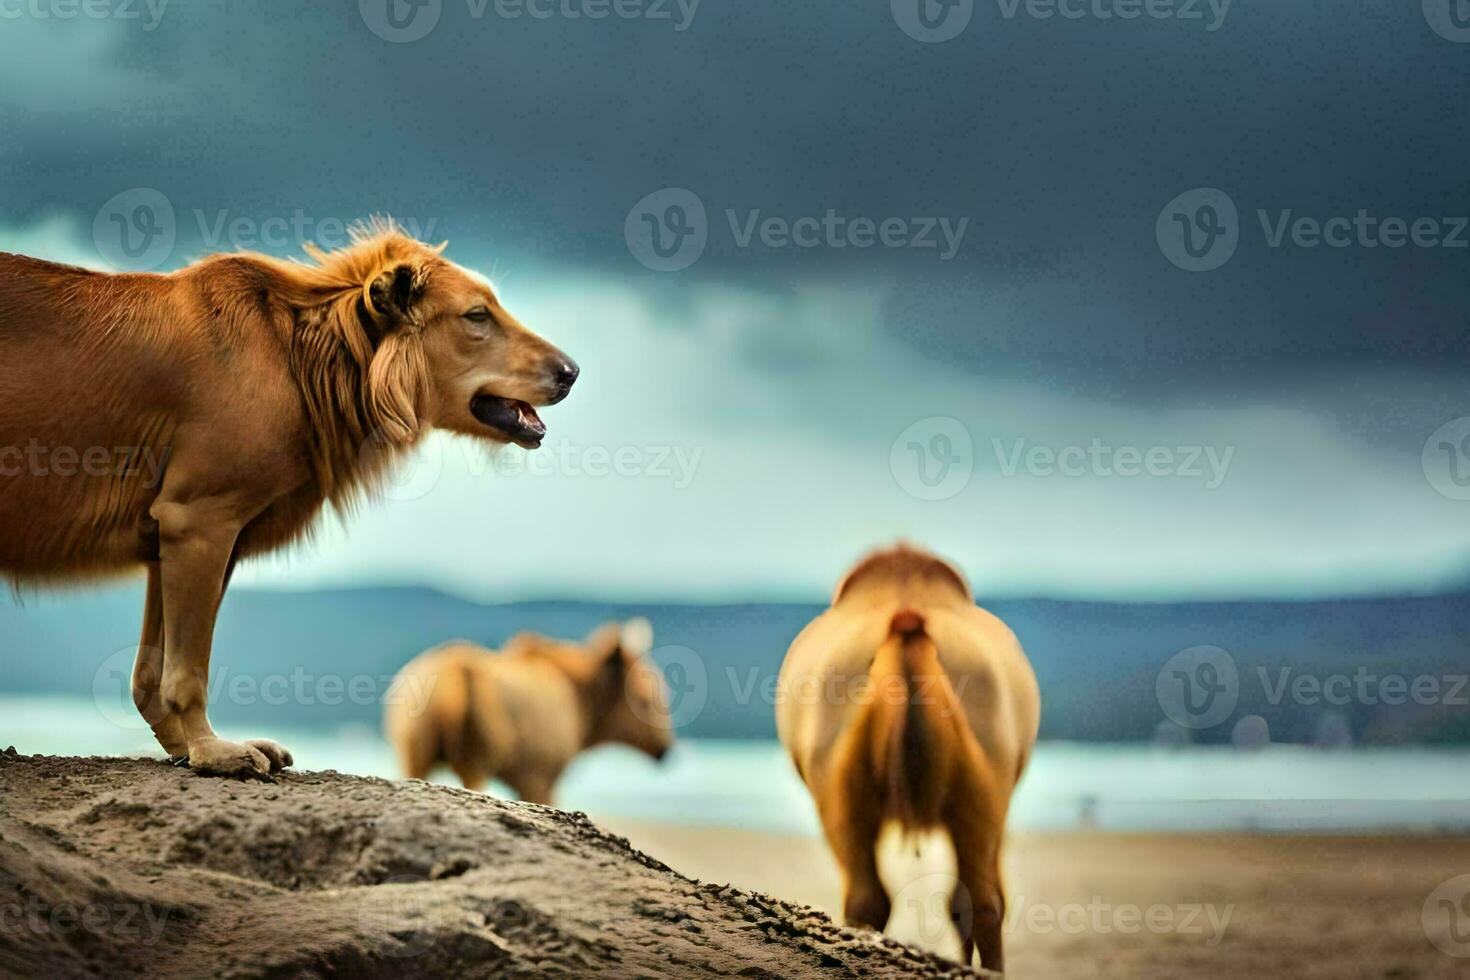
(752, 785)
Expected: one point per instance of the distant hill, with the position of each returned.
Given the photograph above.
(324, 657)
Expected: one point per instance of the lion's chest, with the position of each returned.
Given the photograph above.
(285, 522)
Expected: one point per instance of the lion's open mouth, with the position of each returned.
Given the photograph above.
(516, 419)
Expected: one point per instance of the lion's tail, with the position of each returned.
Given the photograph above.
(915, 748)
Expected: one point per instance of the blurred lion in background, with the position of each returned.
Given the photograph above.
(523, 714)
(906, 707)
(181, 422)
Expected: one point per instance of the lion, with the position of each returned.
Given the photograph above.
(182, 422)
(523, 714)
(906, 706)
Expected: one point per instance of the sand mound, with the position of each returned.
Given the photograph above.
(119, 867)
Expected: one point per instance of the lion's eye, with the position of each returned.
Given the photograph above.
(479, 314)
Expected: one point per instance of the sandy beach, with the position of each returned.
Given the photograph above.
(1150, 906)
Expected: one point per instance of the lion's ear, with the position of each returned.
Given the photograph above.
(393, 293)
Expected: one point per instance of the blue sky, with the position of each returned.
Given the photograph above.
(747, 425)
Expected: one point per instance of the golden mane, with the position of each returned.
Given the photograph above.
(362, 371)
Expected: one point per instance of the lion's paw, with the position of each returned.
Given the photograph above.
(218, 757)
(276, 753)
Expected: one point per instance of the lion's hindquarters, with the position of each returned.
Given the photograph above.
(428, 711)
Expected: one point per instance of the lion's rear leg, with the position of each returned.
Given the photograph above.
(418, 748)
(148, 673)
(978, 906)
(536, 787)
(473, 777)
(852, 820)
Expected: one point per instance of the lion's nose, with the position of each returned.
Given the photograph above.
(563, 376)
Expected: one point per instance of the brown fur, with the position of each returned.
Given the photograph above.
(522, 715)
(247, 392)
(906, 704)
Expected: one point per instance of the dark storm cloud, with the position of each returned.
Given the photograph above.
(1057, 140)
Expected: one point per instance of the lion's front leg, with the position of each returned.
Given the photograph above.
(196, 541)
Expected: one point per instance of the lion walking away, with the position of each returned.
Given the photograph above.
(906, 706)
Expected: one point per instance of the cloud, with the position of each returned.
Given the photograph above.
(794, 477)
